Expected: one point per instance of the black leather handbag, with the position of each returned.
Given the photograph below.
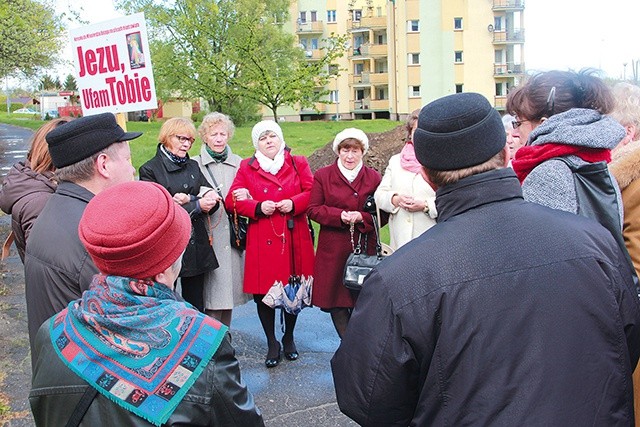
(359, 264)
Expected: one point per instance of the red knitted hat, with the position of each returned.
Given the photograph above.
(134, 230)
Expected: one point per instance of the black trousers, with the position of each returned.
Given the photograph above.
(193, 290)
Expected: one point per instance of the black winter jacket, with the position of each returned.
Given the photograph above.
(186, 178)
(504, 313)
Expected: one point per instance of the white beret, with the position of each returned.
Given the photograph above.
(351, 133)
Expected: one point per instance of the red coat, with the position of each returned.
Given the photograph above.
(267, 258)
(331, 194)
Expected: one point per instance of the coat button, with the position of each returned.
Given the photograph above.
(279, 188)
(185, 186)
(268, 241)
(226, 246)
(355, 194)
(265, 190)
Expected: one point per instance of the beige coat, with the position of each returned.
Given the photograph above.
(405, 226)
(625, 167)
(222, 286)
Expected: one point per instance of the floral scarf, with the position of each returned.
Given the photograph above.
(135, 343)
(175, 159)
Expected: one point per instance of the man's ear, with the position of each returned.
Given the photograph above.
(425, 176)
(101, 165)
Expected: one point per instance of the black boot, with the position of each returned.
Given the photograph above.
(340, 318)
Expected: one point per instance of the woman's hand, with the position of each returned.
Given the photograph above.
(209, 201)
(181, 198)
(268, 207)
(351, 217)
(241, 194)
(410, 204)
(285, 206)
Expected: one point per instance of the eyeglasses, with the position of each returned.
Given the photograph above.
(184, 139)
(516, 123)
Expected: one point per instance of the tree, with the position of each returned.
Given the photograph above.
(31, 37)
(70, 83)
(233, 53)
(49, 83)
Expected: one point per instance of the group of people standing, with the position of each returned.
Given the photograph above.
(433, 321)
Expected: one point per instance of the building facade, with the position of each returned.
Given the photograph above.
(403, 54)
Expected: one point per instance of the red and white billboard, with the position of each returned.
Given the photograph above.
(113, 66)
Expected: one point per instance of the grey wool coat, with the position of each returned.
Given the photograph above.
(222, 286)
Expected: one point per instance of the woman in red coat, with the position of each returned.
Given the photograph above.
(272, 188)
(337, 200)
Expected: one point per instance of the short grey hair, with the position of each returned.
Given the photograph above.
(213, 119)
(85, 169)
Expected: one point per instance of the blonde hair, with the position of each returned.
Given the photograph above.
(38, 156)
(626, 109)
(441, 178)
(213, 119)
(176, 126)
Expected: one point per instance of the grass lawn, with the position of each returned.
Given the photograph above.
(303, 137)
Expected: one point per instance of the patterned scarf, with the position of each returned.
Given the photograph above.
(175, 159)
(136, 344)
(408, 159)
(218, 157)
(530, 156)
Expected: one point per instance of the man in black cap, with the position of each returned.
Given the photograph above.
(504, 313)
(90, 154)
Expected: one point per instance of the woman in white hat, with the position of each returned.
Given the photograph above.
(338, 196)
(272, 189)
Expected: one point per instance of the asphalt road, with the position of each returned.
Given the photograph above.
(298, 393)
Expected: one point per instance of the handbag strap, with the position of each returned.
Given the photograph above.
(82, 407)
(7, 245)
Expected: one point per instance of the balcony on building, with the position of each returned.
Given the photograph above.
(369, 79)
(507, 69)
(508, 37)
(512, 5)
(374, 50)
(313, 27)
(313, 54)
(317, 108)
(369, 23)
(500, 102)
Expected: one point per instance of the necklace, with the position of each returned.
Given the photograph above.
(281, 235)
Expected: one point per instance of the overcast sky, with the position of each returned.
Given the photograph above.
(559, 34)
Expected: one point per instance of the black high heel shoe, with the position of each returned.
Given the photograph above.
(291, 355)
(274, 361)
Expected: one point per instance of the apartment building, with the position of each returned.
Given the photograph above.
(403, 54)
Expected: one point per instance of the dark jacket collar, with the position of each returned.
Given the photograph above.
(477, 190)
(76, 191)
(166, 161)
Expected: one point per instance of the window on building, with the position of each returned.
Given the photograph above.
(314, 16)
(414, 91)
(459, 88)
(303, 16)
(333, 69)
(358, 68)
(458, 56)
(457, 23)
(382, 94)
(357, 15)
(331, 16)
(500, 89)
(414, 59)
(379, 10)
(304, 43)
(359, 94)
(413, 26)
(333, 96)
(314, 44)
(497, 23)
